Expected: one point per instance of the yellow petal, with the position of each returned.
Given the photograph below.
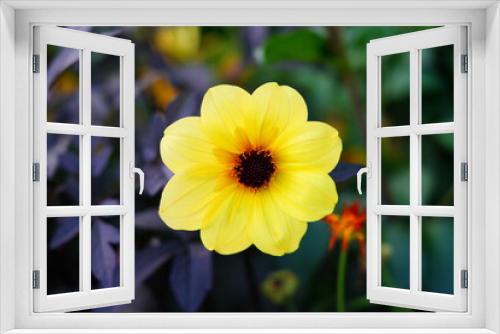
(277, 108)
(225, 223)
(304, 195)
(313, 146)
(185, 144)
(272, 230)
(297, 105)
(223, 112)
(185, 198)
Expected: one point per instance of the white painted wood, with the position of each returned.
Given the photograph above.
(7, 167)
(265, 4)
(418, 129)
(187, 12)
(86, 43)
(490, 177)
(127, 226)
(80, 129)
(415, 170)
(414, 297)
(417, 210)
(93, 210)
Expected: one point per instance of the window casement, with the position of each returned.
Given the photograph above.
(84, 133)
(474, 128)
(411, 212)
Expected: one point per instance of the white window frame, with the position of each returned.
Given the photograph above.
(85, 43)
(413, 44)
(16, 20)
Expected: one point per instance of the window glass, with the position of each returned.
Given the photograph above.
(437, 254)
(395, 85)
(105, 261)
(437, 169)
(63, 83)
(395, 171)
(395, 251)
(105, 89)
(106, 172)
(63, 255)
(437, 84)
(63, 169)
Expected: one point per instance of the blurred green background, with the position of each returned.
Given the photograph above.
(327, 65)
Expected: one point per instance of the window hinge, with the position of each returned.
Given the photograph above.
(465, 64)
(464, 280)
(36, 279)
(464, 171)
(36, 63)
(36, 172)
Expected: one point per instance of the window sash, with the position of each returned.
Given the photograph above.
(484, 101)
(86, 43)
(414, 297)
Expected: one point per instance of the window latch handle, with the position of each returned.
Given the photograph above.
(135, 170)
(361, 171)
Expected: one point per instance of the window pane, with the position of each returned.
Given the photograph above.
(63, 255)
(395, 82)
(105, 261)
(437, 254)
(63, 164)
(437, 169)
(395, 251)
(437, 84)
(395, 172)
(63, 82)
(105, 89)
(105, 170)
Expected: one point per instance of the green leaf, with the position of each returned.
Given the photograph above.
(298, 45)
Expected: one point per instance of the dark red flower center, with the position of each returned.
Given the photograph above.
(255, 168)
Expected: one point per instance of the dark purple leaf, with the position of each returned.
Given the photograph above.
(344, 171)
(152, 136)
(105, 97)
(70, 188)
(64, 59)
(191, 277)
(67, 228)
(149, 220)
(253, 37)
(186, 104)
(112, 32)
(65, 107)
(101, 151)
(145, 301)
(193, 77)
(110, 201)
(185, 235)
(156, 176)
(70, 162)
(58, 145)
(150, 259)
(79, 28)
(104, 258)
(99, 103)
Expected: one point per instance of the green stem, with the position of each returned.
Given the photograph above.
(341, 280)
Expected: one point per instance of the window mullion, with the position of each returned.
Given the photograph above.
(415, 172)
(85, 168)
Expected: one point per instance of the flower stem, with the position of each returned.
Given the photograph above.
(341, 280)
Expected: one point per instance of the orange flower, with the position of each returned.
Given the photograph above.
(349, 226)
(163, 92)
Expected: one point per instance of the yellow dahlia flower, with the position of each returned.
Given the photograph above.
(250, 170)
